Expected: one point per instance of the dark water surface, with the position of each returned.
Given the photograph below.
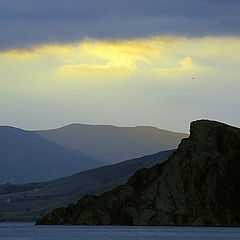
(28, 231)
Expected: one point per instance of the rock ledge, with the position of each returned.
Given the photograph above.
(198, 185)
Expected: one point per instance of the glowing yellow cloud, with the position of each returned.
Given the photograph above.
(143, 81)
(88, 70)
(92, 58)
(186, 67)
(168, 57)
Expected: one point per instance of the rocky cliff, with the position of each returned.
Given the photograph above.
(198, 185)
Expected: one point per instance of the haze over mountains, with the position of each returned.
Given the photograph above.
(30, 201)
(33, 156)
(114, 144)
(25, 156)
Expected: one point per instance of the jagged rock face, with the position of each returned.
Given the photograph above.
(198, 185)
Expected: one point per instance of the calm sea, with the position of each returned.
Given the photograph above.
(28, 231)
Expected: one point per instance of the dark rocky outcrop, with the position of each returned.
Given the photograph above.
(198, 185)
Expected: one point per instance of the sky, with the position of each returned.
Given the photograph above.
(162, 63)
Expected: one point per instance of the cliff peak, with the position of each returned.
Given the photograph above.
(198, 185)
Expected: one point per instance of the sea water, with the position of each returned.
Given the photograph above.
(28, 231)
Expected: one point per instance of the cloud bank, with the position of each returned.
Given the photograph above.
(163, 82)
(28, 22)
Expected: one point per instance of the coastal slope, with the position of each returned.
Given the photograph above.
(198, 185)
(30, 201)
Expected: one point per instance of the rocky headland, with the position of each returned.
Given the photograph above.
(197, 186)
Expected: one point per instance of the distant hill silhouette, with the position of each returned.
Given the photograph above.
(33, 156)
(25, 156)
(114, 144)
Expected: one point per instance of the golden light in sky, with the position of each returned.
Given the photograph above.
(114, 71)
(167, 57)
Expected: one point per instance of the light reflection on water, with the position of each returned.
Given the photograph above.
(28, 231)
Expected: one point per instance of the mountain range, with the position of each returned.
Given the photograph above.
(114, 144)
(33, 156)
(25, 156)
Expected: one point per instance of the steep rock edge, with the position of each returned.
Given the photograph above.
(198, 185)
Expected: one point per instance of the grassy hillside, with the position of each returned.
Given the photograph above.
(28, 201)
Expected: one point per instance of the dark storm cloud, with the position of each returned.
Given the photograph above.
(26, 22)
